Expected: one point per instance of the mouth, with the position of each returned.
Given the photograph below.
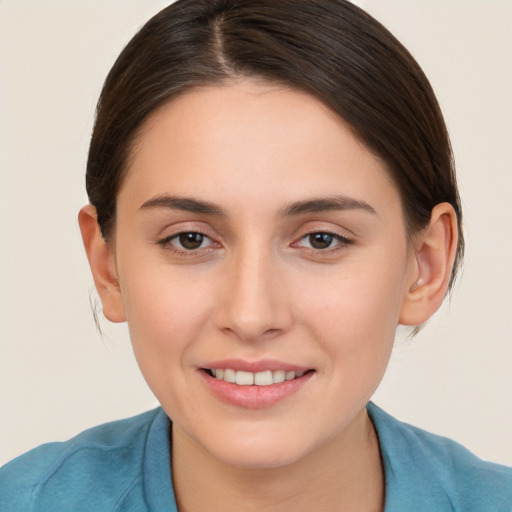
(261, 378)
(255, 384)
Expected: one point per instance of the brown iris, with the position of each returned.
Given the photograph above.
(191, 241)
(321, 240)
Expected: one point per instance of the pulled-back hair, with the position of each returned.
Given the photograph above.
(330, 49)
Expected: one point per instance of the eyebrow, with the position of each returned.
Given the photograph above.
(187, 204)
(326, 204)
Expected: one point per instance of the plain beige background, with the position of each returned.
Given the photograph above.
(58, 377)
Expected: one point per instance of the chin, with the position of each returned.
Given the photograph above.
(258, 446)
(259, 455)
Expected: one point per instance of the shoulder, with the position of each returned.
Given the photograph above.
(100, 465)
(437, 470)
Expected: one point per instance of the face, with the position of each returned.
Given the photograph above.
(258, 241)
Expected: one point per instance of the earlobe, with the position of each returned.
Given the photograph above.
(102, 263)
(434, 253)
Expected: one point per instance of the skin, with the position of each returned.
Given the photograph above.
(257, 289)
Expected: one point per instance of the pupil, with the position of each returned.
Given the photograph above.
(321, 240)
(191, 240)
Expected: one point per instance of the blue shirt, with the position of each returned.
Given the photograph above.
(125, 466)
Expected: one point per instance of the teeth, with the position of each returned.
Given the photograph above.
(229, 375)
(278, 376)
(265, 378)
(244, 378)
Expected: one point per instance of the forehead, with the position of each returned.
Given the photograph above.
(238, 111)
(252, 137)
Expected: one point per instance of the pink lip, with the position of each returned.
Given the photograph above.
(254, 397)
(255, 366)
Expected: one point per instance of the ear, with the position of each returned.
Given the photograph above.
(432, 262)
(102, 263)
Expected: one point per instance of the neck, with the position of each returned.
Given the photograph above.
(345, 474)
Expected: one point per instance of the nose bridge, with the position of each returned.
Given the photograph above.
(254, 305)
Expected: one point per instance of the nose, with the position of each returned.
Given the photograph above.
(253, 305)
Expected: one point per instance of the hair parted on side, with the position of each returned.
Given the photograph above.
(330, 49)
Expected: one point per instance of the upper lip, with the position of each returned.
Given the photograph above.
(255, 366)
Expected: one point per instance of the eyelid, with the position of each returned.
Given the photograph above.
(182, 226)
(169, 238)
(179, 226)
(322, 226)
(342, 235)
(343, 240)
(166, 242)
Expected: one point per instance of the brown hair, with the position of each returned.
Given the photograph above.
(328, 48)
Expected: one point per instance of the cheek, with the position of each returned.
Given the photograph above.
(355, 313)
(166, 314)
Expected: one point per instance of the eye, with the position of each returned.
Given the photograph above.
(322, 240)
(187, 241)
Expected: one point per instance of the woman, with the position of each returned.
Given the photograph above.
(271, 193)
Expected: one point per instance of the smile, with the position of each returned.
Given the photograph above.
(254, 385)
(245, 378)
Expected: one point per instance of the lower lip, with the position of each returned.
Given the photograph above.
(254, 397)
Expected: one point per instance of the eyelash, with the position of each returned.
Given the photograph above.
(167, 243)
(342, 242)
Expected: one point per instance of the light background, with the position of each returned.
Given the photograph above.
(58, 377)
